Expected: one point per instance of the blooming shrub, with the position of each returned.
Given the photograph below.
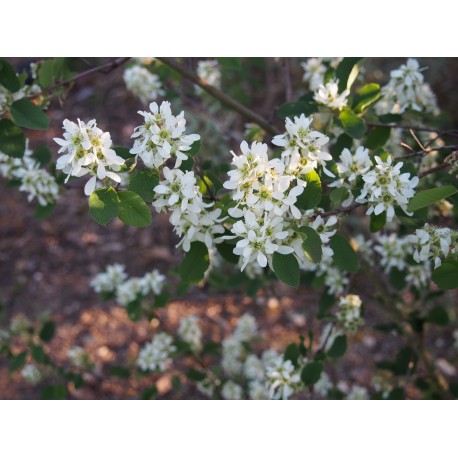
(336, 194)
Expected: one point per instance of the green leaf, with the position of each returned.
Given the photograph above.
(352, 124)
(149, 393)
(195, 263)
(406, 359)
(286, 268)
(123, 152)
(365, 97)
(195, 148)
(325, 304)
(312, 372)
(311, 196)
(343, 141)
(292, 353)
(377, 222)
(42, 154)
(226, 251)
(344, 254)
(195, 375)
(133, 210)
(46, 73)
(54, 392)
(43, 211)
(8, 78)
(47, 331)
(103, 205)
(346, 72)
(311, 244)
(17, 361)
(12, 140)
(429, 196)
(438, 315)
(446, 275)
(120, 371)
(38, 353)
(302, 106)
(377, 137)
(338, 195)
(143, 183)
(397, 279)
(338, 347)
(396, 394)
(25, 114)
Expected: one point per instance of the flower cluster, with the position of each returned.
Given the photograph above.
(34, 180)
(432, 243)
(385, 186)
(349, 314)
(315, 69)
(328, 95)
(142, 83)
(156, 355)
(407, 90)
(232, 391)
(179, 193)
(31, 374)
(352, 166)
(162, 137)
(127, 290)
(189, 330)
(393, 251)
(88, 150)
(283, 379)
(209, 72)
(78, 356)
(7, 98)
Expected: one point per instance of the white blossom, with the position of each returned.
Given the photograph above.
(156, 355)
(232, 391)
(190, 331)
(246, 328)
(142, 83)
(323, 385)
(328, 95)
(358, 393)
(88, 151)
(77, 356)
(108, 281)
(209, 72)
(282, 379)
(232, 356)
(253, 368)
(257, 390)
(393, 251)
(129, 291)
(31, 374)
(349, 314)
(152, 282)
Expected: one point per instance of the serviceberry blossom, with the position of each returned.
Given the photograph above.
(351, 166)
(232, 391)
(189, 330)
(385, 186)
(142, 83)
(358, 393)
(406, 90)
(314, 71)
(253, 368)
(152, 283)
(349, 314)
(108, 281)
(393, 251)
(233, 352)
(433, 244)
(162, 137)
(129, 291)
(88, 151)
(7, 98)
(156, 355)
(282, 379)
(328, 95)
(303, 147)
(77, 356)
(31, 374)
(19, 324)
(209, 72)
(257, 390)
(246, 329)
(323, 386)
(34, 180)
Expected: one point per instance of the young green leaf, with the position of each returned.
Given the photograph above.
(352, 124)
(446, 275)
(8, 78)
(338, 347)
(25, 114)
(286, 268)
(312, 243)
(195, 263)
(312, 372)
(103, 205)
(133, 210)
(311, 196)
(429, 196)
(143, 182)
(365, 97)
(344, 254)
(12, 140)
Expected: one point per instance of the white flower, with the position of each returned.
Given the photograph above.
(406, 90)
(257, 390)
(88, 150)
(162, 137)
(385, 186)
(393, 251)
(142, 83)
(156, 355)
(328, 94)
(246, 328)
(108, 281)
(282, 379)
(358, 393)
(314, 72)
(77, 356)
(323, 385)
(232, 391)
(19, 324)
(31, 374)
(128, 291)
(349, 314)
(254, 368)
(352, 166)
(232, 356)
(152, 282)
(433, 244)
(189, 330)
(209, 72)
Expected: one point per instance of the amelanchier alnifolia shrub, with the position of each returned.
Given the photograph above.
(292, 205)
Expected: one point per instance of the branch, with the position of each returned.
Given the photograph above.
(105, 68)
(221, 96)
(348, 209)
(434, 169)
(453, 132)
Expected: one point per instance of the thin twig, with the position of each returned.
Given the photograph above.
(105, 68)
(453, 132)
(348, 209)
(434, 169)
(221, 96)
